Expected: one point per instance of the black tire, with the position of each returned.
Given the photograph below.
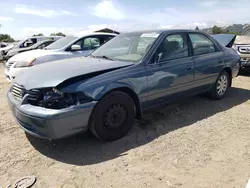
(113, 116)
(215, 91)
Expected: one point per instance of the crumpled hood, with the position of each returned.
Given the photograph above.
(54, 73)
(242, 40)
(30, 55)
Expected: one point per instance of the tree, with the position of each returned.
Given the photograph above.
(197, 28)
(39, 34)
(217, 30)
(58, 34)
(6, 38)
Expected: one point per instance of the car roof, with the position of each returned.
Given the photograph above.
(93, 33)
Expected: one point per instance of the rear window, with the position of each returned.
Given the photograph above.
(202, 44)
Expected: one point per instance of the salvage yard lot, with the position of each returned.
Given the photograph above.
(197, 142)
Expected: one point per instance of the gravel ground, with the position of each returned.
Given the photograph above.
(194, 143)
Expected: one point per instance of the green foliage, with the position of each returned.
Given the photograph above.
(6, 38)
(39, 34)
(235, 33)
(219, 30)
(58, 34)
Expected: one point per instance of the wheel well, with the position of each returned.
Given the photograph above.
(134, 97)
(229, 72)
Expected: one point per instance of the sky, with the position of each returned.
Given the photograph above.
(22, 18)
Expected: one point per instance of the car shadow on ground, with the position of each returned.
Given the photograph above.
(85, 149)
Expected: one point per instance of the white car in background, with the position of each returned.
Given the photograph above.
(27, 43)
(67, 47)
(4, 50)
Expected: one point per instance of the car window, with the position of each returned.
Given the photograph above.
(106, 38)
(144, 44)
(89, 43)
(174, 46)
(34, 40)
(201, 44)
(43, 45)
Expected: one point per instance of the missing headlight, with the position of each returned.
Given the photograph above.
(55, 99)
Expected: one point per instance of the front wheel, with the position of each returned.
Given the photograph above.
(113, 116)
(220, 88)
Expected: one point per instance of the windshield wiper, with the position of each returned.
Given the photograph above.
(104, 57)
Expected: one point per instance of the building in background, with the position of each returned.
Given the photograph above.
(107, 30)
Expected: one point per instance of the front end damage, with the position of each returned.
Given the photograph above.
(58, 104)
(49, 113)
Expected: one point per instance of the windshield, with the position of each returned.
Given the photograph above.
(19, 43)
(127, 47)
(60, 43)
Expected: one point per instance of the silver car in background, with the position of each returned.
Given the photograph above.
(66, 47)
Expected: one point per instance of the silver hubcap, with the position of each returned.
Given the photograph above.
(222, 85)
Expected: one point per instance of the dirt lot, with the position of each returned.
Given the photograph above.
(194, 143)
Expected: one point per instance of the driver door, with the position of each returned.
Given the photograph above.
(171, 73)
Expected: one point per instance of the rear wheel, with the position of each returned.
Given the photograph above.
(220, 88)
(113, 116)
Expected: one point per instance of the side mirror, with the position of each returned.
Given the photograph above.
(76, 47)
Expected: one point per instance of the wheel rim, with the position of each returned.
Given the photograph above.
(115, 116)
(222, 85)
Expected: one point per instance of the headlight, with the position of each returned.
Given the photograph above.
(236, 49)
(21, 64)
(55, 99)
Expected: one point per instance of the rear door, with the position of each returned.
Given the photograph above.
(208, 60)
(171, 75)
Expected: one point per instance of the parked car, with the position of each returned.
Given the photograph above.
(28, 43)
(242, 46)
(38, 45)
(67, 47)
(106, 91)
(3, 45)
(4, 51)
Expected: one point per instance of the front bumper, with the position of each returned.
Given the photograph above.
(245, 64)
(245, 60)
(49, 123)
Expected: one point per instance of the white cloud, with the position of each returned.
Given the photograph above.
(123, 19)
(206, 14)
(24, 9)
(4, 18)
(208, 3)
(29, 31)
(108, 9)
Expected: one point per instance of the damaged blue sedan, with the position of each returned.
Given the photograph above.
(108, 90)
